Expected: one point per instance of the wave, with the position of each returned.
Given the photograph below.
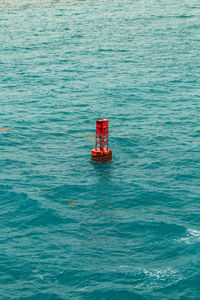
(192, 237)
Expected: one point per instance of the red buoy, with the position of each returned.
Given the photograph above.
(101, 150)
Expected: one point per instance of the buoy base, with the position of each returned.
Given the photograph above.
(104, 154)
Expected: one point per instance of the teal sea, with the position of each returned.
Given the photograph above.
(74, 229)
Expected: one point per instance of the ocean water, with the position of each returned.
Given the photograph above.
(74, 229)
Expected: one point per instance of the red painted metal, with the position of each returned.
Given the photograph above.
(101, 150)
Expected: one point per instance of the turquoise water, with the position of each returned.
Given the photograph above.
(73, 229)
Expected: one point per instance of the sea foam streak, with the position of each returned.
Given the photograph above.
(193, 236)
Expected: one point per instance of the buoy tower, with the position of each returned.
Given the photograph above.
(101, 150)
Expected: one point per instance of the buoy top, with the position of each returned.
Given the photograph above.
(102, 126)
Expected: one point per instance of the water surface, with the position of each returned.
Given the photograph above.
(73, 229)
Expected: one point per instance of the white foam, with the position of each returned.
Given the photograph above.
(193, 237)
(160, 274)
(153, 277)
(159, 277)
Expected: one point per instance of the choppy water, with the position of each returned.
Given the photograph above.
(72, 229)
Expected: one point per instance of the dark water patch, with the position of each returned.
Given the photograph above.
(39, 296)
(113, 294)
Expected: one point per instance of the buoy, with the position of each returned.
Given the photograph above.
(101, 152)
